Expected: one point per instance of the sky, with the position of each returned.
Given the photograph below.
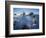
(26, 10)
